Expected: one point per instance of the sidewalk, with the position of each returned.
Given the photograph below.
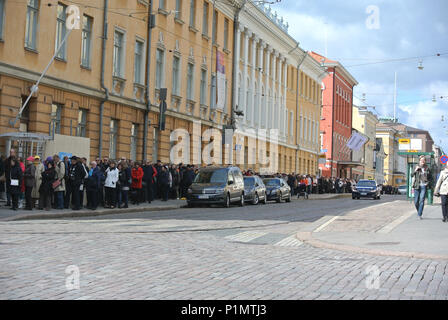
(403, 235)
(6, 214)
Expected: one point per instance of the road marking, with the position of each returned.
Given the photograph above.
(326, 224)
(290, 241)
(246, 236)
(389, 227)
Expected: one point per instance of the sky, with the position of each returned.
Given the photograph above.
(361, 35)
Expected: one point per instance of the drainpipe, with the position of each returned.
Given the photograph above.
(148, 68)
(297, 105)
(106, 91)
(332, 125)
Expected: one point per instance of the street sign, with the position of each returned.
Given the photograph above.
(323, 150)
(443, 159)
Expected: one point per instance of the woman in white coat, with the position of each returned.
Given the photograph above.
(110, 185)
(442, 191)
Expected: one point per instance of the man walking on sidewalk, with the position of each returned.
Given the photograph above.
(422, 182)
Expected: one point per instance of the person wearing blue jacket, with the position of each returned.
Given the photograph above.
(93, 184)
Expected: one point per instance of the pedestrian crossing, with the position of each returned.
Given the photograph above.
(266, 238)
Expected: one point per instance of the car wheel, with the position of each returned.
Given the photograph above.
(289, 198)
(256, 199)
(227, 201)
(279, 199)
(242, 200)
(353, 198)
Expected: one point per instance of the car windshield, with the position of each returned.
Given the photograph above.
(249, 182)
(271, 182)
(366, 184)
(212, 176)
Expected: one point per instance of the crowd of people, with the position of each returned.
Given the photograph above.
(64, 183)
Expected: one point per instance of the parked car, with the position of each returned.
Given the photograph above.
(217, 185)
(366, 189)
(254, 190)
(403, 189)
(277, 189)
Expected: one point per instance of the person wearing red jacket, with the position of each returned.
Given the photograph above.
(136, 185)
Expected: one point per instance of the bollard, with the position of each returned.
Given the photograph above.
(429, 196)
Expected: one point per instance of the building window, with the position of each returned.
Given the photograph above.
(138, 62)
(176, 74)
(160, 57)
(190, 79)
(86, 40)
(32, 15)
(161, 4)
(291, 123)
(213, 91)
(82, 122)
(119, 54)
(226, 33)
(113, 139)
(214, 26)
(178, 13)
(56, 112)
(61, 31)
(203, 95)
(2, 17)
(134, 133)
(192, 13)
(205, 19)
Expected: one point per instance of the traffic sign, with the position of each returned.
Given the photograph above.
(443, 159)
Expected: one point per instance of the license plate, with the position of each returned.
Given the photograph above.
(203, 197)
(363, 193)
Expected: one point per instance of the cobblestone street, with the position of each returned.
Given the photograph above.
(151, 258)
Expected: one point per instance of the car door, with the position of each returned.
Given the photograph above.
(232, 185)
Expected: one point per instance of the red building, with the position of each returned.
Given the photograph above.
(336, 122)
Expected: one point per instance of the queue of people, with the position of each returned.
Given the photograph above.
(64, 183)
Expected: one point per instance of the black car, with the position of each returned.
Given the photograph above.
(217, 185)
(254, 190)
(366, 189)
(277, 189)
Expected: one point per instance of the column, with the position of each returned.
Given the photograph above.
(245, 62)
(267, 86)
(274, 110)
(285, 65)
(254, 103)
(236, 66)
(260, 83)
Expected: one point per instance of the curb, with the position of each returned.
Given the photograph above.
(336, 196)
(88, 213)
(307, 237)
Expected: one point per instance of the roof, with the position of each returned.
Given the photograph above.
(332, 63)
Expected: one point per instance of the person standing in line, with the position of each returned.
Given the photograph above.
(441, 190)
(149, 172)
(60, 189)
(29, 175)
(422, 182)
(136, 186)
(15, 180)
(7, 169)
(110, 185)
(123, 184)
(165, 182)
(92, 184)
(76, 177)
(37, 180)
(46, 187)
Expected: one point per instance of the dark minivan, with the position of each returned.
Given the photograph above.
(217, 185)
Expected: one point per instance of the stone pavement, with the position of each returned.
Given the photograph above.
(6, 214)
(391, 230)
(170, 258)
